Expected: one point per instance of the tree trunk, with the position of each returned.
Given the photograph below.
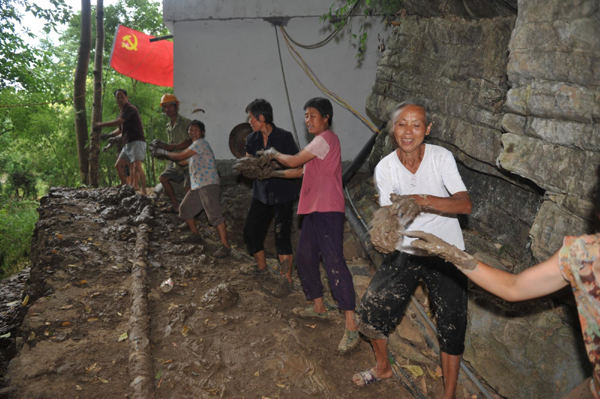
(83, 61)
(97, 106)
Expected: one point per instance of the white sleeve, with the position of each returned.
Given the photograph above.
(450, 176)
(318, 147)
(383, 184)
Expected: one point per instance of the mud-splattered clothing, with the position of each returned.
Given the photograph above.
(579, 262)
(274, 190)
(322, 236)
(258, 221)
(386, 298)
(389, 292)
(322, 184)
(322, 201)
(272, 197)
(203, 169)
(132, 128)
(205, 198)
(437, 175)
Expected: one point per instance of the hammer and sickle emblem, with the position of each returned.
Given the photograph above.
(130, 44)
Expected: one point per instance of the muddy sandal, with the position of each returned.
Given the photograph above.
(253, 270)
(349, 341)
(364, 378)
(309, 312)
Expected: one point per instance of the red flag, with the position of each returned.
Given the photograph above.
(135, 56)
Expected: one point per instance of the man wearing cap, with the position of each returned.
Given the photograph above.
(178, 140)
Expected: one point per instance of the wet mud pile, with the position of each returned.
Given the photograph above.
(256, 167)
(97, 323)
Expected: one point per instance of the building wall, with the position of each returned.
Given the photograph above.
(226, 55)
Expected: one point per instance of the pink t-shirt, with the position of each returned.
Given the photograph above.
(322, 184)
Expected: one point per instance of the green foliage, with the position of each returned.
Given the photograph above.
(18, 59)
(37, 131)
(17, 221)
(43, 132)
(340, 16)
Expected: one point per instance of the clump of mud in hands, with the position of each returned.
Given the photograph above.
(450, 253)
(389, 223)
(260, 167)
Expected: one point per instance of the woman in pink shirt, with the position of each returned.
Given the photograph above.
(323, 206)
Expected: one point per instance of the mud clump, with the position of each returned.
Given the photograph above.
(135, 204)
(389, 222)
(385, 230)
(116, 202)
(119, 232)
(222, 297)
(144, 217)
(12, 312)
(256, 167)
(111, 212)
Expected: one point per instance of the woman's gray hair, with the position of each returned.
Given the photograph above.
(396, 112)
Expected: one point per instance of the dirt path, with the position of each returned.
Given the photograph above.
(217, 333)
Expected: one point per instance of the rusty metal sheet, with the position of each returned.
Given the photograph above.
(237, 139)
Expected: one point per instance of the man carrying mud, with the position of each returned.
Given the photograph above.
(178, 140)
(132, 131)
(423, 177)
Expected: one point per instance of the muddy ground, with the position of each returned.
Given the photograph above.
(218, 333)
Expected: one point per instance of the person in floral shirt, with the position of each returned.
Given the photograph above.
(206, 189)
(576, 263)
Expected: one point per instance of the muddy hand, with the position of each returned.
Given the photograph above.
(385, 230)
(105, 136)
(158, 143)
(436, 246)
(270, 154)
(159, 153)
(406, 208)
(248, 167)
(273, 173)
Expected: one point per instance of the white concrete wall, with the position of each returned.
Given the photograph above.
(223, 64)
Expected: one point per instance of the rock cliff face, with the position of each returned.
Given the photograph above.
(514, 93)
(552, 113)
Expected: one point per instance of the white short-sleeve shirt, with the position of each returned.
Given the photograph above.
(438, 176)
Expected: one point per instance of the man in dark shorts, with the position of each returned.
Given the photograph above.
(134, 151)
(178, 140)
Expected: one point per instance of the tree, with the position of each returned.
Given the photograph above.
(83, 60)
(18, 59)
(97, 105)
(340, 16)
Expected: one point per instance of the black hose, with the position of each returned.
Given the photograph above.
(360, 158)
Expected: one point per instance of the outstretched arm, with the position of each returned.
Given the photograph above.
(173, 156)
(293, 173)
(458, 203)
(180, 156)
(539, 280)
(179, 146)
(115, 122)
(291, 161)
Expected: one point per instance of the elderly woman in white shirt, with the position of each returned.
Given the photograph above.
(427, 176)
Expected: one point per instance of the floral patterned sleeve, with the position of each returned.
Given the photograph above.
(579, 262)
